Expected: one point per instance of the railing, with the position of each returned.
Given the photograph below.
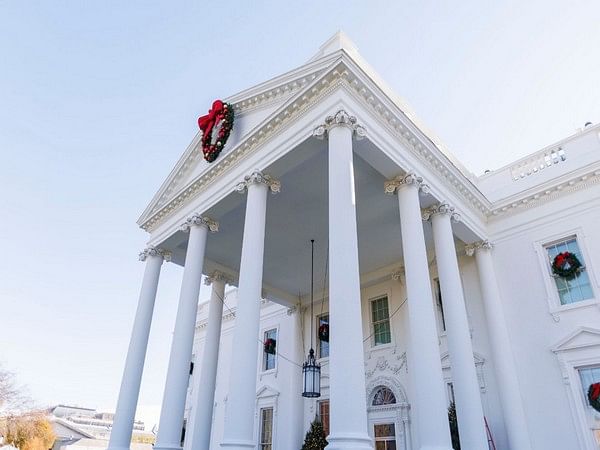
(537, 162)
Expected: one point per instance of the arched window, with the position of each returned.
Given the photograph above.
(383, 396)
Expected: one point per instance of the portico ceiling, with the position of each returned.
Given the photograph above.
(300, 213)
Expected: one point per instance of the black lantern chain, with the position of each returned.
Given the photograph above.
(311, 369)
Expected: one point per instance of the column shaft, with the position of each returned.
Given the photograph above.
(510, 396)
(202, 411)
(425, 366)
(239, 414)
(469, 410)
(120, 436)
(348, 419)
(173, 406)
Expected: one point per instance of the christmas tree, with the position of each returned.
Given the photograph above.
(315, 437)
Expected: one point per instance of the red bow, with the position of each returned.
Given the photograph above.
(595, 391)
(561, 258)
(207, 122)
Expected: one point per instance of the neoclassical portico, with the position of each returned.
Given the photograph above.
(326, 143)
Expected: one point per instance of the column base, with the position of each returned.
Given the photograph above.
(238, 445)
(120, 447)
(350, 441)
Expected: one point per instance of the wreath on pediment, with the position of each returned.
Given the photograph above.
(216, 127)
(594, 396)
(566, 265)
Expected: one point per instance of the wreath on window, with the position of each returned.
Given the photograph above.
(594, 396)
(216, 127)
(566, 265)
(324, 332)
(270, 346)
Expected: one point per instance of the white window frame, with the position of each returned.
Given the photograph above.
(552, 297)
(264, 371)
(579, 349)
(372, 325)
(266, 397)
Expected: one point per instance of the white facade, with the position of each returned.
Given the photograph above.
(402, 220)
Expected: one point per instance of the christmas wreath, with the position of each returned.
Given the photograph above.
(324, 332)
(269, 346)
(566, 265)
(216, 127)
(594, 396)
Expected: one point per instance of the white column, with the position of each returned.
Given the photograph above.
(469, 410)
(295, 426)
(241, 400)
(348, 405)
(199, 427)
(173, 406)
(510, 396)
(120, 436)
(429, 400)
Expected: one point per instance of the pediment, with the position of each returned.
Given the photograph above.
(260, 118)
(267, 391)
(581, 338)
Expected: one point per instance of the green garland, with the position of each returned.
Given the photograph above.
(566, 265)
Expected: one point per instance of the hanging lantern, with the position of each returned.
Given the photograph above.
(311, 371)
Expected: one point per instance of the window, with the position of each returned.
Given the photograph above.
(577, 289)
(380, 317)
(440, 306)
(323, 345)
(324, 415)
(270, 359)
(588, 375)
(450, 388)
(383, 396)
(385, 436)
(266, 429)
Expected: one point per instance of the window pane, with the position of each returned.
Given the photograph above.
(266, 431)
(381, 322)
(589, 376)
(385, 430)
(382, 333)
(269, 359)
(323, 345)
(324, 415)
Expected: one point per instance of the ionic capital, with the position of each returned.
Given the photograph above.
(470, 249)
(258, 177)
(153, 251)
(340, 118)
(217, 276)
(440, 208)
(198, 220)
(410, 179)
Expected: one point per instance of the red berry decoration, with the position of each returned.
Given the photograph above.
(594, 396)
(216, 127)
(324, 332)
(270, 346)
(566, 265)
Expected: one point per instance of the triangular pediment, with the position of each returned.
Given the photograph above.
(260, 116)
(267, 391)
(581, 338)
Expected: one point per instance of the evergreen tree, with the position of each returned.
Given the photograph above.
(453, 426)
(315, 437)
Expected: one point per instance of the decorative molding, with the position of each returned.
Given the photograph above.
(340, 118)
(217, 276)
(383, 365)
(410, 179)
(470, 249)
(198, 220)
(153, 251)
(440, 208)
(257, 177)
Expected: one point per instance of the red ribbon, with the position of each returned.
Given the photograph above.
(216, 113)
(595, 391)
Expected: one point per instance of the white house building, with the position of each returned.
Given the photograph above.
(437, 285)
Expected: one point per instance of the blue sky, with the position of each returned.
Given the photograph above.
(99, 100)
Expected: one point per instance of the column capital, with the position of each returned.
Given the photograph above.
(442, 208)
(340, 118)
(153, 251)
(217, 276)
(198, 220)
(258, 177)
(470, 249)
(410, 179)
